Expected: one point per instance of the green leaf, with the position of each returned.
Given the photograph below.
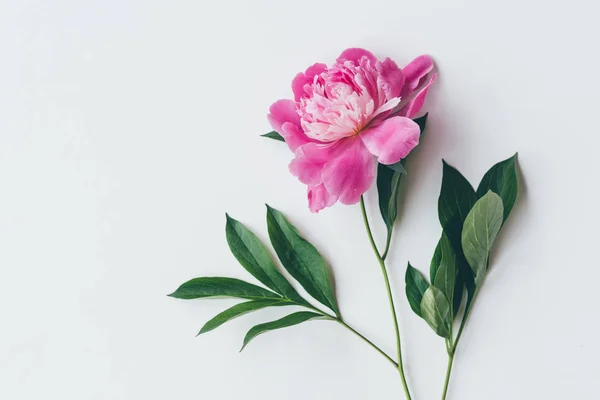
(445, 276)
(480, 230)
(436, 311)
(300, 259)
(240, 309)
(502, 180)
(388, 183)
(289, 320)
(274, 135)
(228, 287)
(416, 285)
(435, 261)
(422, 122)
(256, 259)
(457, 197)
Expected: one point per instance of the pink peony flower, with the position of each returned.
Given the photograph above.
(344, 116)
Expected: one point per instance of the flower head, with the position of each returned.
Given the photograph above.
(344, 116)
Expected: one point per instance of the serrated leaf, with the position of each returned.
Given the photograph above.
(416, 285)
(289, 320)
(240, 309)
(256, 259)
(222, 287)
(480, 230)
(301, 259)
(502, 180)
(436, 311)
(445, 276)
(274, 135)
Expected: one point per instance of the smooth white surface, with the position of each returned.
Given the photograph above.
(128, 129)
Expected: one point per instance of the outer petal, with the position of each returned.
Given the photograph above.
(392, 78)
(319, 198)
(413, 106)
(414, 72)
(349, 175)
(392, 140)
(310, 160)
(306, 78)
(283, 111)
(355, 54)
(294, 136)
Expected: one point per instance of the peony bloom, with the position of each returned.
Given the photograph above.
(345, 116)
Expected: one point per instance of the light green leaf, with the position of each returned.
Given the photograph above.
(502, 180)
(398, 167)
(240, 309)
(274, 135)
(480, 230)
(416, 285)
(436, 311)
(227, 287)
(256, 259)
(289, 320)
(300, 259)
(445, 276)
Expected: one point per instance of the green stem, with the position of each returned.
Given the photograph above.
(390, 298)
(345, 325)
(388, 241)
(448, 372)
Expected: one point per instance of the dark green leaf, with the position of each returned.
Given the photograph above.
(255, 258)
(240, 309)
(457, 197)
(436, 311)
(274, 135)
(300, 259)
(422, 122)
(480, 230)
(445, 276)
(388, 183)
(228, 287)
(416, 285)
(435, 261)
(502, 180)
(289, 320)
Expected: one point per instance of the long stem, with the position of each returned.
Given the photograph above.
(448, 372)
(390, 298)
(383, 353)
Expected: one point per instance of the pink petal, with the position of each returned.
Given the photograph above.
(392, 139)
(283, 111)
(351, 173)
(306, 78)
(294, 136)
(310, 159)
(355, 54)
(392, 78)
(412, 107)
(319, 198)
(415, 72)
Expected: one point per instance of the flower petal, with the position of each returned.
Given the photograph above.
(355, 54)
(310, 159)
(392, 78)
(414, 105)
(351, 173)
(306, 78)
(392, 139)
(294, 136)
(283, 111)
(414, 73)
(319, 198)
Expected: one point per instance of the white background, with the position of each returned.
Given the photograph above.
(129, 128)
